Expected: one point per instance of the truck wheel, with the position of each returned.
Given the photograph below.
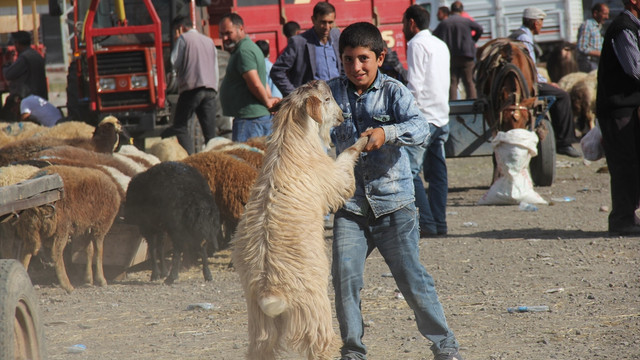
(21, 332)
(543, 166)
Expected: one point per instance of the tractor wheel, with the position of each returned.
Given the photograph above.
(21, 332)
(543, 166)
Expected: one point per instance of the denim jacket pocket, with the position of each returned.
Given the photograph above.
(345, 131)
(382, 118)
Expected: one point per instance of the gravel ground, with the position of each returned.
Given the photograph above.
(494, 257)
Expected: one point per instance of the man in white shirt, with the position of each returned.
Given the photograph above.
(428, 58)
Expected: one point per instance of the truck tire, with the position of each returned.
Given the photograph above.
(21, 332)
(543, 166)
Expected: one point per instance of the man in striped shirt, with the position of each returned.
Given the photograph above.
(590, 38)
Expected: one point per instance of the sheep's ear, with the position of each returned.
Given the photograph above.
(314, 108)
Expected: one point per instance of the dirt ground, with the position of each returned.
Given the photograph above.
(494, 257)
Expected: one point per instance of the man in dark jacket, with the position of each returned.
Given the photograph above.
(455, 31)
(27, 74)
(617, 109)
(311, 55)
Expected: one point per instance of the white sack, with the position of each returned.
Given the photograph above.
(513, 150)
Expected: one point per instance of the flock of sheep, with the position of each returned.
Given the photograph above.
(107, 181)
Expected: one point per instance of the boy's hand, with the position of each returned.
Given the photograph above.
(376, 139)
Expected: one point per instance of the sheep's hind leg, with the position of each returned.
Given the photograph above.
(99, 247)
(57, 250)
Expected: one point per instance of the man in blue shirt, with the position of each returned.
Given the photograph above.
(312, 55)
(560, 111)
(590, 38)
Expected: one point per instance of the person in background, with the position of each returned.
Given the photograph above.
(264, 46)
(244, 93)
(618, 112)
(560, 111)
(455, 31)
(312, 55)
(443, 13)
(195, 60)
(428, 81)
(590, 38)
(36, 109)
(290, 29)
(27, 75)
(382, 212)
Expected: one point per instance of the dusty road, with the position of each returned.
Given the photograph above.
(494, 257)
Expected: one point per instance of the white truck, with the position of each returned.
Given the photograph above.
(500, 17)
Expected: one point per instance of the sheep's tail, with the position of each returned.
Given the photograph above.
(272, 305)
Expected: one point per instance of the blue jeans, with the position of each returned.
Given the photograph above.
(244, 129)
(432, 208)
(396, 237)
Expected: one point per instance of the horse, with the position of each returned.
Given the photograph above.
(506, 81)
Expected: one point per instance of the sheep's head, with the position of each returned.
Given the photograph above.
(310, 105)
(109, 135)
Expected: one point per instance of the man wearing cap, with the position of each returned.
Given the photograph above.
(618, 112)
(560, 111)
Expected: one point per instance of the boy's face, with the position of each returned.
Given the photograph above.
(361, 66)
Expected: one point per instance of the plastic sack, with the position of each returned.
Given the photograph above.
(513, 151)
(591, 144)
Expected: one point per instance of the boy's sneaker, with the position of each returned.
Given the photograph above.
(444, 356)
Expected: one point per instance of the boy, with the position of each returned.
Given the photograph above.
(382, 213)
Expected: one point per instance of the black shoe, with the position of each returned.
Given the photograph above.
(569, 151)
(633, 230)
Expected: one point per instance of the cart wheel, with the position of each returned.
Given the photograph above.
(21, 332)
(543, 166)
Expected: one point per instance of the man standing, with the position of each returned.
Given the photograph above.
(428, 80)
(590, 38)
(243, 93)
(617, 109)
(195, 60)
(560, 111)
(27, 74)
(310, 55)
(455, 31)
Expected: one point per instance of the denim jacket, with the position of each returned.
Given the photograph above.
(383, 177)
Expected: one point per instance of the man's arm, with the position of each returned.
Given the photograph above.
(15, 70)
(257, 89)
(478, 30)
(284, 63)
(625, 45)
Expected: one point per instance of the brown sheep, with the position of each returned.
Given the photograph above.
(85, 214)
(230, 180)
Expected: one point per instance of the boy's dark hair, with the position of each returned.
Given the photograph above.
(21, 37)
(264, 46)
(362, 34)
(181, 20)
(235, 19)
(291, 28)
(419, 15)
(323, 8)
